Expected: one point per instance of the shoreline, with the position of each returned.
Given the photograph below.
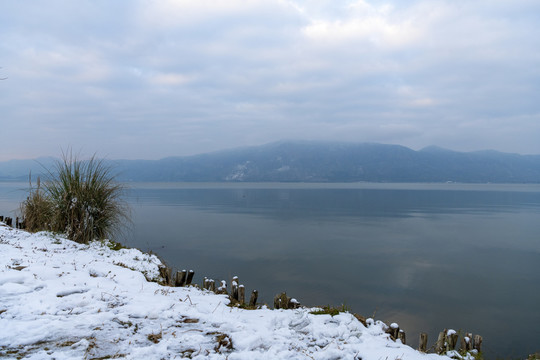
(30, 252)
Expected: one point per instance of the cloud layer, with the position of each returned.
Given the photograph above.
(155, 78)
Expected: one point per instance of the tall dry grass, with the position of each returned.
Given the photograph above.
(37, 209)
(85, 201)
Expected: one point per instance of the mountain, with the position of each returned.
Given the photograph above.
(290, 161)
(19, 170)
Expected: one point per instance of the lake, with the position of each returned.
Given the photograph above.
(427, 256)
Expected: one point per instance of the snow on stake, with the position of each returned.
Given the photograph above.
(447, 341)
(238, 291)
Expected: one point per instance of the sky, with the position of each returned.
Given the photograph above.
(147, 79)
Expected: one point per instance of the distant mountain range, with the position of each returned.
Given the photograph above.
(290, 161)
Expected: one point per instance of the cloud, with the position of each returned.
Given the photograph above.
(184, 77)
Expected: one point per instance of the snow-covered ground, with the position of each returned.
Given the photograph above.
(63, 300)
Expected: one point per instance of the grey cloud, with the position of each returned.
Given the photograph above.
(143, 79)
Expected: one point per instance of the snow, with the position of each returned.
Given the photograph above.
(63, 300)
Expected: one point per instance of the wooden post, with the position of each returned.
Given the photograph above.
(478, 343)
(277, 302)
(466, 342)
(282, 301)
(422, 343)
(180, 278)
(2, 218)
(451, 340)
(234, 288)
(253, 299)
(165, 273)
(205, 283)
(439, 346)
(17, 222)
(212, 285)
(393, 330)
(294, 304)
(241, 294)
(401, 336)
(190, 277)
(223, 288)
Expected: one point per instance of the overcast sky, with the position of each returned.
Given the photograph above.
(154, 78)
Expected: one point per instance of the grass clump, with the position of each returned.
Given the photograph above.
(331, 310)
(80, 198)
(37, 209)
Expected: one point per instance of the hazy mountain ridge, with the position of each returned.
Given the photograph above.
(290, 161)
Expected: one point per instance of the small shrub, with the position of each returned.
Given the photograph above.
(37, 209)
(80, 198)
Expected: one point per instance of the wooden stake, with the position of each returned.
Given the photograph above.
(190, 277)
(253, 299)
(282, 301)
(478, 343)
(277, 302)
(180, 278)
(439, 346)
(241, 294)
(422, 343)
(234, 288)
(165, 273)
(393, 330)
(466, 342)
(451, 340)
(401, 336)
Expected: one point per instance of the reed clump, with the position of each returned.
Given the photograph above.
(37, 209)
(80, 198)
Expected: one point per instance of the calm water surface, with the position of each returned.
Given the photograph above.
(427, 256)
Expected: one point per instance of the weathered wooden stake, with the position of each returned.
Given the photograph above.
(393, 331)
(253, 299)
(223, 288)
(212, 285)
(241, 294)
(466, 342)
(478, 343)
(282, 301)
(422, 343)
(451, 340)
(165, 273)
(190, 277)
(277, 302)
(401, 336)
(1, 217)
(234, 288)
(439, 346)
(180, 278)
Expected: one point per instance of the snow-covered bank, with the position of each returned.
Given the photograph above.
(63, 300)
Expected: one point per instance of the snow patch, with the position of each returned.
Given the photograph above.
(88, 301)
